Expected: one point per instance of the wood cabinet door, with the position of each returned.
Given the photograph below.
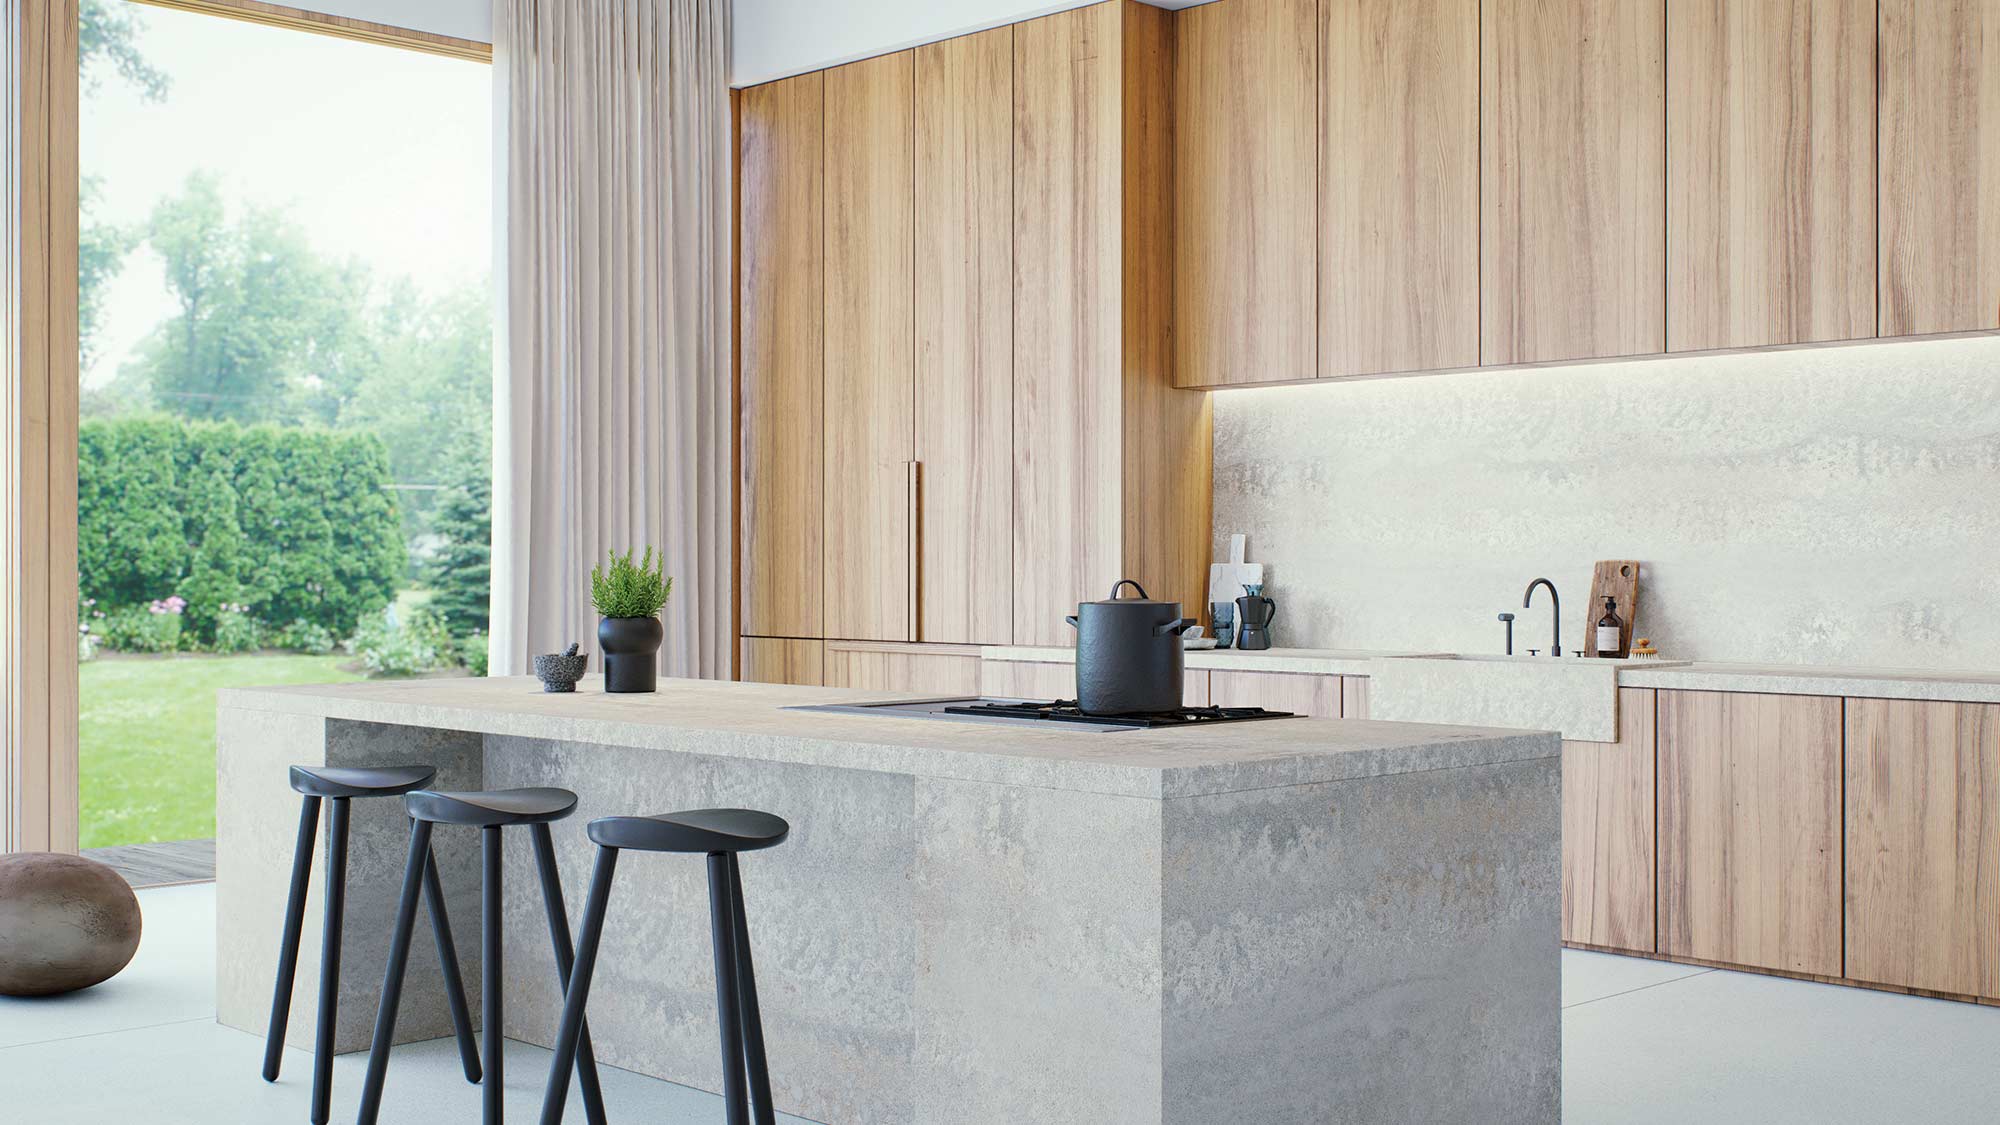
(1573, 178)
(870, 473)
(965, 338)
(780, 660)
(1398, 185)
(1940, 166)
(780, 358)
(931, 669)
(1749, 829)
(1068, 457)
(1020, 679)
(1244, 145)
(1607, 832)
(1770, 172)
(1315, 696)
(1353, 697)
(1923, 844)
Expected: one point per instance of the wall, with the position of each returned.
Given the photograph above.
(1832, 506)
(465, 19)
(775, 38)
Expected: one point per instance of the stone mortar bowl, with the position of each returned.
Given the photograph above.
(559, 671)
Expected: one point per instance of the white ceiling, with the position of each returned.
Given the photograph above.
(775, 38)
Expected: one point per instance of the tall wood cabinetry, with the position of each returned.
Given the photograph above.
(958, 411)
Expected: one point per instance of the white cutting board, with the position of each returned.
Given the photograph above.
(1227, 579)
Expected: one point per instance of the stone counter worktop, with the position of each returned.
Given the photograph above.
(1297, 920)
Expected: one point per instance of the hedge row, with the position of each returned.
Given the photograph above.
(297, 524)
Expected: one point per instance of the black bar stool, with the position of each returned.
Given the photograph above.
(719, 833)
(489, 812)
(337, 785)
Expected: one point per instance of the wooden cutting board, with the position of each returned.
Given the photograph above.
(1614, 578)
(1227, 579)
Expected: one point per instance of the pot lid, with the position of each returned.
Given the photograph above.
(1141, 601)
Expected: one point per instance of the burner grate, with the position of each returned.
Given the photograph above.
(1067, 711)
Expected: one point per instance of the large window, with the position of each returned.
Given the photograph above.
(284, 454)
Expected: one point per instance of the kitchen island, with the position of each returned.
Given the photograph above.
(1293, 920)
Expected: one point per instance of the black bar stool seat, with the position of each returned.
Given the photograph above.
(490, 811)
(495, 809)
(360, 781)
(695, 831)
(719, 834)
(335, 786)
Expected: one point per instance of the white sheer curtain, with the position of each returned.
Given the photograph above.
(613, 421)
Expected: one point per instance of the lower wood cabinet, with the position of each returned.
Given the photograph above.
(875, 666)
(1923, 844)
(1317, 696)
(1607, 832)
(780, 660)
(1749, 829)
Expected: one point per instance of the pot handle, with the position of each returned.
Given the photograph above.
(1072, 621)
(1124, 582)
(1174, 627)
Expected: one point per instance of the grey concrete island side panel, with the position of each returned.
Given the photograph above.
(1377, 950)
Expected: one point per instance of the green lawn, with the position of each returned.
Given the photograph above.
(148, 738)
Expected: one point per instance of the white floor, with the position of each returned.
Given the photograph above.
(1643, 1041)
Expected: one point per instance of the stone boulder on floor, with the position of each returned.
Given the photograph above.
(65, 923)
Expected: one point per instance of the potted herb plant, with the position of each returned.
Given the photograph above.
(629, 595)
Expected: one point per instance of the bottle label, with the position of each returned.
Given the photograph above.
(1607, 639)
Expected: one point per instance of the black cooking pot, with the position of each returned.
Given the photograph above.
(1128, 654)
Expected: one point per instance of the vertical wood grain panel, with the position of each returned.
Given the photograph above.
(1019, 679)
(781, 356)
(1167, 434)
(1195, 688)
(1923, 844)
(1573, 180)
(781, 660)
(1067, 301)
(1398, 185)
(1353, 697)
(1316, 696)
(1243, 152)
(870, 339)
(1940, 166)
(932, 669)
(1771, 172)
(1607, 832)
(965, 336)
(1749, 829)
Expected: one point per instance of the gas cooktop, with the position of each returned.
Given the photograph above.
(1063, 711)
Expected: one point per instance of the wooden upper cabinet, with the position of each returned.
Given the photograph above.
(965, 337)
(1244, 145)
(1923, 844)
(870, 338)
(1067, 142)
(1607, 832)
(1749, 829)
(1398, 185)
(780, 355)
(1573, 208)
(1770, 172)
(1940, 166)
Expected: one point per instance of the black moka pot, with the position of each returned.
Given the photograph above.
(1128, 654)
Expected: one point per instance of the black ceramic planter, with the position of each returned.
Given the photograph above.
(631, 647)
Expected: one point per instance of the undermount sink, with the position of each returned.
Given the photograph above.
(1576, 696)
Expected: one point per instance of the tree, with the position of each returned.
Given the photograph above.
(460, 572)
(266, 329)
(100, 255)
(107, 39)
(106, 42)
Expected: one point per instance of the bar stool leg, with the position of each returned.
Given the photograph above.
(552, 902)
(329, 963)
(493, 1086)
(728, 1003)
(577, 994)
(454, 984)
(288, 948)
(753, 1021)
(392, 977)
